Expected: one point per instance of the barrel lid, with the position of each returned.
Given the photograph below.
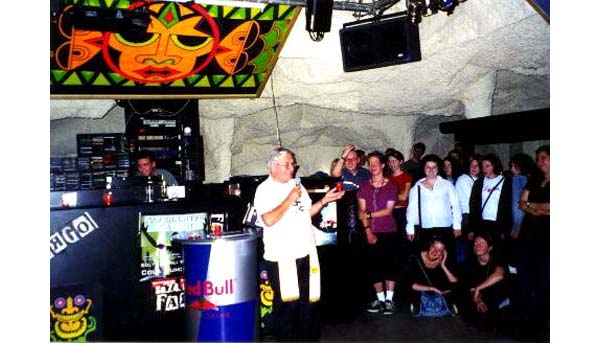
(225, 236)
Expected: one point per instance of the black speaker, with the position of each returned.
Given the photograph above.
(378, 43)
(318, 15)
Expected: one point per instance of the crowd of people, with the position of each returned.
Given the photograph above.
(460, 227)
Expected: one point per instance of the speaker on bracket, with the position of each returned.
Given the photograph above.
(379, 42)
(318, 15)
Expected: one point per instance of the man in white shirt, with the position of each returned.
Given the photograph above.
(285, 209)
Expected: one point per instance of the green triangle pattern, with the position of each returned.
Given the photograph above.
(59, 74)
(101, 81)
(217, 79)
(193, 79)
(204, 82)
(228, 83)
(72, 80)
(249, 83)
(213, 11)
(129, 83)
(227, 10)
(267, 14)
(178, 83)
(116, 78)
(254, 12)
(240, 79)
(261, 77)
(286, 12)
(88, 75)
(240, 13)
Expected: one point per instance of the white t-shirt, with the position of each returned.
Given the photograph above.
(490, 211)
(290, 237)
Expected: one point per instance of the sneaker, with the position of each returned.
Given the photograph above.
(389, 307)
(376, 306)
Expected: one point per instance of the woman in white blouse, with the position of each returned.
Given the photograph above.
(434, 206)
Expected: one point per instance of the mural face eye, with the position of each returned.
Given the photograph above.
(60, 302)
(79, 300)
(136, 38)
(191, 42)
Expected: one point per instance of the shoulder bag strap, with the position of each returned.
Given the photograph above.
(423, 270)
(419, 201)
(490, 194)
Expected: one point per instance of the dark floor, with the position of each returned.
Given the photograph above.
(402, 327)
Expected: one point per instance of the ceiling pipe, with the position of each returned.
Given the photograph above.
(371, 8)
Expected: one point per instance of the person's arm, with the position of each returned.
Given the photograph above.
(337, 169)
(273, 216)
(493, 279)
(387, 211)
(331, 195)
(426, 288)
(412, 213)
(404, 190)
(447, 271)
(362, 215)
(533, 208)
(456, 212)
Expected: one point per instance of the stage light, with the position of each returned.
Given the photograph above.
(318, 18)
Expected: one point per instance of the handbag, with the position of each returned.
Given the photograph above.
(432, 303)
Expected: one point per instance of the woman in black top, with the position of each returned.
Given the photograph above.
(483, 280)
(427, 272)
(533, 263)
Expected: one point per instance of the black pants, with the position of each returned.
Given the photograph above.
(294, 320)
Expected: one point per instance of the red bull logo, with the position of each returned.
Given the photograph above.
(207, 288)
(203, 305)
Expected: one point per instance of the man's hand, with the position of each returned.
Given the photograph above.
(347, 149)
(332, 195)
(295, 194)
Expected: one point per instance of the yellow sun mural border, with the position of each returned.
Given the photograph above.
(188, 50)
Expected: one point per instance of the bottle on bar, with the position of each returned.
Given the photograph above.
(149, 190)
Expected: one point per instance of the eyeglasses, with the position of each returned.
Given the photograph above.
(287, 164)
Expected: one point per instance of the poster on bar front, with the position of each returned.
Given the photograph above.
(159, 259)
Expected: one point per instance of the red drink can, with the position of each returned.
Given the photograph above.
(108, 198)
(339, 186)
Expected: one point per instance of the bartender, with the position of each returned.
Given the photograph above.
(146, 166)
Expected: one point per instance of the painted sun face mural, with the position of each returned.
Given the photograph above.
(187, 48)
(71, 318)
(180, 40)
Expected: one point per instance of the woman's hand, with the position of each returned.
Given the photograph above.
(444, 257)
(436, 290)
(371, 238)
(481, 306)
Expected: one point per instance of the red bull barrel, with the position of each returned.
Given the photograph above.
(221, 291)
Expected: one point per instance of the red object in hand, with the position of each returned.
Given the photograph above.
(339, 186)
(107, 198)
